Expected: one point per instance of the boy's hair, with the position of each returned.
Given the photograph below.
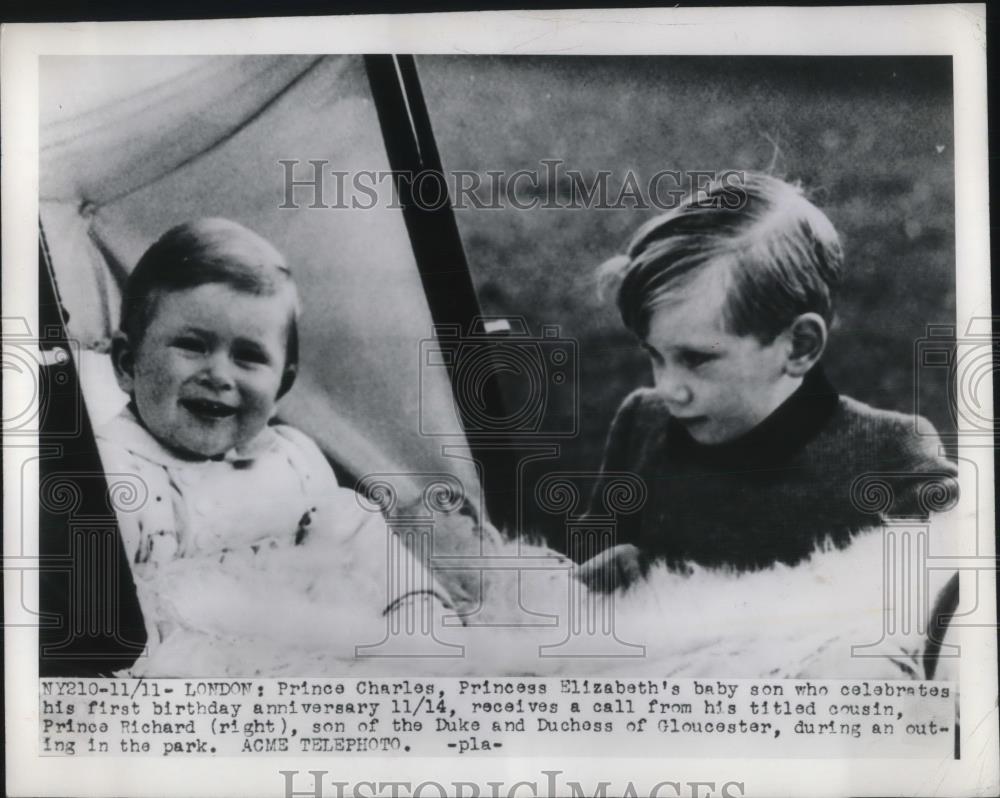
(780, 254)
(204, 252)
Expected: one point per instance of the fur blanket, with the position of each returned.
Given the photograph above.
(303, 611)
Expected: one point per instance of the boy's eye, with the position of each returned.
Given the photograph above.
(655, 356)
(693, 359)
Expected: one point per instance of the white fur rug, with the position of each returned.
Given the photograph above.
(303, 610)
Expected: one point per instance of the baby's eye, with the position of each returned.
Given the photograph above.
(189, 344)
(251, 355)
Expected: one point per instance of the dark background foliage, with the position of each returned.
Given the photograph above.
(870, 140)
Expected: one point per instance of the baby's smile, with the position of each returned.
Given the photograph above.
(208, 408)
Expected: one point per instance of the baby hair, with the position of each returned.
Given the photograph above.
(208, 251)
(780, 256)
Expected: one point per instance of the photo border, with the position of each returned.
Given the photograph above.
(958, 31)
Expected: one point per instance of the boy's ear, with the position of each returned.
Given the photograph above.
(806, 342)
(123, 360)
(287, 380)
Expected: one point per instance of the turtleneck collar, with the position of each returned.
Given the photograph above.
(777, 437)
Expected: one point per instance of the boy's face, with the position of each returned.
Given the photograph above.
(206, 374)
(718, 385)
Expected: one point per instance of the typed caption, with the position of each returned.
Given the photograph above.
(506, 717)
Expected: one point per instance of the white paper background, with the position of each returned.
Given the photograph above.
(939, 30)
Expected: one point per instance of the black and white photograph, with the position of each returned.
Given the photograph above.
(525, 399)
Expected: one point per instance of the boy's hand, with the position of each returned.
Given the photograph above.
(613, 568)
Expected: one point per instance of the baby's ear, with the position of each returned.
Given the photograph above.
(123, 360)
(806, 337)
(287, 380)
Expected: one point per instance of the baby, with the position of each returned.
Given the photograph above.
(208, 344)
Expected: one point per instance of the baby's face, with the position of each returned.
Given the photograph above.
(718, 385)
(205, 376)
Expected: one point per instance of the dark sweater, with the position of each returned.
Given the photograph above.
(820, 466)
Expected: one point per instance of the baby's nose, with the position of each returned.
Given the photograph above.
(217, 374)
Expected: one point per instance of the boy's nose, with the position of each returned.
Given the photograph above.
(674, 390)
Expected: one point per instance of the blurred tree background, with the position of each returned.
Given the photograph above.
(869, 138)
